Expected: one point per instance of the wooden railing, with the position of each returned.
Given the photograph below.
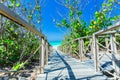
(95, 47)
(44, 47)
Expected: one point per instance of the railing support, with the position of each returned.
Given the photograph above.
(91, 45)
(114, 52)
(42, 56)
(106, 42)
(81, 49)
(46, 58)
(95, 51)
(70, 49)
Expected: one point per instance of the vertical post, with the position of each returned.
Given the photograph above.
(65, 49)
(106, 43)
(114, 51)
(83, 49)
(91, 46)
(95, 51)
(48, 50)
(62, 48)
(42, 55)
(70, 49)
(80, 49)
(46, 60)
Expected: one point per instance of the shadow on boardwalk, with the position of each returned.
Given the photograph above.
(64, 67)
(69, 69)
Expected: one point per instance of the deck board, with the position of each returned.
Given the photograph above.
(63, 67)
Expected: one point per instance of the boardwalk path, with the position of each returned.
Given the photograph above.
(64, 67)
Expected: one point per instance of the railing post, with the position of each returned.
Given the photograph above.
(95, 51)
(91, 45)
(42, 55)
(65, 49)
(114, 51)
(46, 59)
(106, 42)
(80, 49)
(70, 49)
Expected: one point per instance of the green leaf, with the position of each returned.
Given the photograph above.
(110, 4)
(71, 14)
(67, 1)
(11, 5)
(29, 16)
(18, 5)
(37, 7)
(111, 1)
(12, 1)
(79, 13)
(11, 29)
(105, 10)
(18, 66)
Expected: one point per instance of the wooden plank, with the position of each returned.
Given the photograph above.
(16, 18)
(42, 56)
(79, 42)
(113, 27)
(81, 50)
(106, 43)
(95, 51)
(91, 45)
(46, 54)
(114, 52)
(112, 32)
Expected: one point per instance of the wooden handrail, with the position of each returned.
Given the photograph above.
(113, 27)
(16, 18)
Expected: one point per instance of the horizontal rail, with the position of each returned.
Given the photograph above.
(115, 26)
(85, 37)
(16, 18)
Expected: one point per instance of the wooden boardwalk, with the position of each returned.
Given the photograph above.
(63, 67)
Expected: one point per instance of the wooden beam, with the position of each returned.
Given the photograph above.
(91, 45)
(95, 51)
(114, 52)
(16, 18)
(107, 43)
(81, 49)
(42, 56)
(113, 27)
(46, 60)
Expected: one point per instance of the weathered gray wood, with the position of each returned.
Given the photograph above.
(95, 51)
(46, 62)
(42, 56)
(16, 18)
(106, 43)
(114, 52)
(65, 49)
(70, 51)
(91, 45)
(81, 49)
(115, 26)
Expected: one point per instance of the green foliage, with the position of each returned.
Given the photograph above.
(37, 7)
(78, 28)
(18, 66)
(17, 43)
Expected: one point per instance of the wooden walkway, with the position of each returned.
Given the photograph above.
(63, 67)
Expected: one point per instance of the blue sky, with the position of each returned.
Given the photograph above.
(50, 12)
(49, 28)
